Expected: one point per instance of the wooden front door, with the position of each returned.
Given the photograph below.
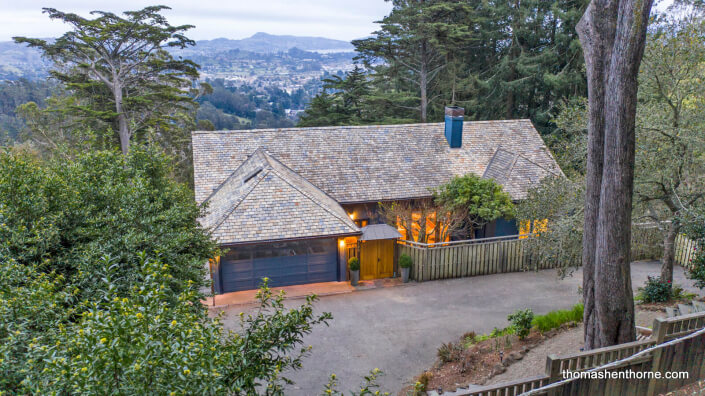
(377, 259)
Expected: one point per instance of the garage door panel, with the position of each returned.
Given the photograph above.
(284, 264)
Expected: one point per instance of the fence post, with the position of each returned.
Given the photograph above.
(659, 334)
(553, 371)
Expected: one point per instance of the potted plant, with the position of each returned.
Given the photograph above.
(405, 265)
(354, 265)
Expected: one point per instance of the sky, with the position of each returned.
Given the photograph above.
(234, 19)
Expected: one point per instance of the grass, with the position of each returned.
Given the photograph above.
(543, 323)
(555, 319)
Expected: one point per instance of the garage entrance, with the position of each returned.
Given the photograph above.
(284, 263)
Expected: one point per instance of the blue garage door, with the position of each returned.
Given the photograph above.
(286, 263)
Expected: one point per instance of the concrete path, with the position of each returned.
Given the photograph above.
(398, 329)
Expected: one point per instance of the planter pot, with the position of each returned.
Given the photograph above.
(405, 274)
(354, 277)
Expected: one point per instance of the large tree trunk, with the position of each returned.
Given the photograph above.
(669, 252)
(612, 33)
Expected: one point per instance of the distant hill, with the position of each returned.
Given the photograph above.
(18, 61)
(269, 43)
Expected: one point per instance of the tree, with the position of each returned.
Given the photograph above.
(143, 340)
(477, 200)
(422, 220)
(121, 70)
(404, 42)
(560, 201)
(60, 214)
(669, 161)
(612, 33)
(496, 59)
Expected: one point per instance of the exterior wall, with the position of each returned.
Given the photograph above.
(370, 212)
(498, 228)
(364, 211)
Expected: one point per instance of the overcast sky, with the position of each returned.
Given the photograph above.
(339, 19)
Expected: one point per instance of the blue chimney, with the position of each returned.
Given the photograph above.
(454, 126)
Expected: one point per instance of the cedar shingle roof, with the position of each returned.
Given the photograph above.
(381, 162)
(264, 200)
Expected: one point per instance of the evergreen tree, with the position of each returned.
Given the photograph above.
(121, 71)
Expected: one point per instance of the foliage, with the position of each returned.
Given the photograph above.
(354, 264)
(496, 60)
(122, 80)
(477, 200)
(560, 201)
(134, 343)
(59, 215)
(422, 220)
(471, 337)
(370, 386)
(555, 319)
(696, 271)
(521, 321)
(138, 341)
(449, 352)
(669, 165)
(405, 261)
(345, 100)
(15, 93)
(246, 106)
(656, 290)
(33, 304)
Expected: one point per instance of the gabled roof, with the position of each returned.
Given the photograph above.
(515, 172)
(379, 162)
(263, 200)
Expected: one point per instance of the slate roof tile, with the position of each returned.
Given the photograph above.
(380, 162)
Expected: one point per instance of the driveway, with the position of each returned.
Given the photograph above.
(398, 329)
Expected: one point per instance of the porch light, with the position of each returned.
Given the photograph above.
(352, 216)
(342, 243)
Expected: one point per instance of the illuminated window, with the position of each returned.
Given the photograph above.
(524, 229)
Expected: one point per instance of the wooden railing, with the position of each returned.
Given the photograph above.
(458, 259)
(677, 345)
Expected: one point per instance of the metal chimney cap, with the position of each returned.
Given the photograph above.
(455, 111)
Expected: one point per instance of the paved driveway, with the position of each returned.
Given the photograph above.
(398, 329)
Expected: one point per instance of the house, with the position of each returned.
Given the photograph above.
(294, 204)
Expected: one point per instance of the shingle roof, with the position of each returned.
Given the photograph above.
(515, 172)
(263, 200)
(380, 162)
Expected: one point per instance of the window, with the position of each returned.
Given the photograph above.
(362, 222)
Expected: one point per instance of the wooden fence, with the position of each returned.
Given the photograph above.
(486, 256)
(685, 250)
(677, 345)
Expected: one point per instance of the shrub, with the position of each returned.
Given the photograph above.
(354, 264)
(680, 294)
(449, 352)
(521, 322)
(555, 319)
(405, 261)
(655, 290)
(422, 383)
